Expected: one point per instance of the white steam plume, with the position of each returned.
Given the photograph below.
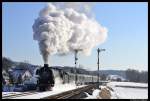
(84, 7)
(64, 30)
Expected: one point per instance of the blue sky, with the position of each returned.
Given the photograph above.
(126, 45)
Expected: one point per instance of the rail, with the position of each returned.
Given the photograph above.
(71, 94)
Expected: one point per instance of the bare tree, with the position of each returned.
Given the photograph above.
(136, 76)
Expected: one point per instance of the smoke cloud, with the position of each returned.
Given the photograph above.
(59, 31)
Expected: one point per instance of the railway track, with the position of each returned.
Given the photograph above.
(72, 94)
(14, 95)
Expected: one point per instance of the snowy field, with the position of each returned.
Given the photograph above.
(128, 84)
(130, 93)
(126, 92)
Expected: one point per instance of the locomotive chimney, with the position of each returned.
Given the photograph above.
(45, 65)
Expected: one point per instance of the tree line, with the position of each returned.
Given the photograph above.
(136, 76)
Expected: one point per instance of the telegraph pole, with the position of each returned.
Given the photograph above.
(76, 58)
(98, 51)
(76, 51)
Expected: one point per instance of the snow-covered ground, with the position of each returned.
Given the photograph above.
(10, 93)
(116, 92)
(127, 84)
(126, 92)
(57, 89)
(130, 93)
(94, 95)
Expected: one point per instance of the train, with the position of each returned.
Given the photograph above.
(81, 78)
(67, 77)
(63, 77)
(60, 77)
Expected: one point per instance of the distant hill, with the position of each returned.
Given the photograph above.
(8, 63)
(84, 71)
(132, 75)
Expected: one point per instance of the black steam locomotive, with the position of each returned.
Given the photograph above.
(45, 79)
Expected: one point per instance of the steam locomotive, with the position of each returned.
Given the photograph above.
(46, 77)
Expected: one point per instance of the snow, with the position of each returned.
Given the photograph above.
(57, 89)
(129, 93)
(9, 93)
(116, 93)
(128, 84)
(94, 95)
(113, 95)
(122, 92)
